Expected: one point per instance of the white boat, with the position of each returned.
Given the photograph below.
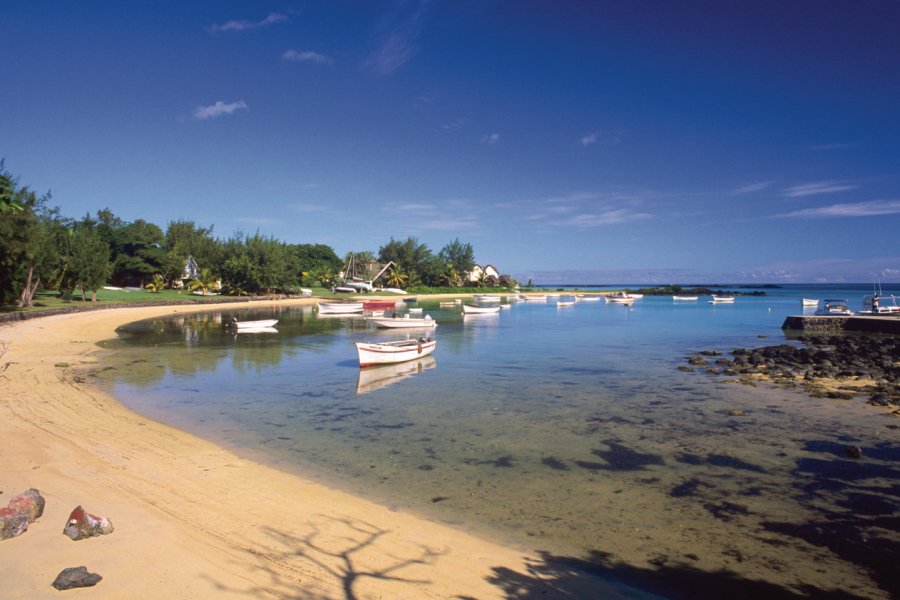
(471, 309)
(305, 292)
(538, 298)
(404, 321)
(257, 330)
(383, 353)
(721, 300)
(619, 298)
(389, 291)
(487, 298)
(339, 308)
(565, 303)
(834, 307)
(809, 301)
(343, 289)
(685, 298)
(254, 324)
(876, 305)
(586, 298)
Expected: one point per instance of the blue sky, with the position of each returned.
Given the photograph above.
(604, 142)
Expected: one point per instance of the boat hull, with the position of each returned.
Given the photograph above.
(340, 308)
(469, 309)
(266, 323)
(371, 354)
(400, 322)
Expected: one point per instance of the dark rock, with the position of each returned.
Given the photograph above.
(75, 577)
(854, 452)
(83, 525)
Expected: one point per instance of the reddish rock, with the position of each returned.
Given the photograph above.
(12, 524)
(82, 524)
(29, 503)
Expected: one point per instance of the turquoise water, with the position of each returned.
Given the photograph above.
(564, 429)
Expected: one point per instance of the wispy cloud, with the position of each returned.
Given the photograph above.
(614, 216)
(872, 208)
(589, 139)
(307, 56)
(818, 187)
(218, 109)
(240, 25)
(606, 138)
(751, 188)
(400, 31)
(490, 138)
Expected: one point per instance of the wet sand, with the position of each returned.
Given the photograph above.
(194, 520)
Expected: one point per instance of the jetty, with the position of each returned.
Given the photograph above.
(829, 324)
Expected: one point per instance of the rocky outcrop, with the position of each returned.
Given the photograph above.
(819, 364)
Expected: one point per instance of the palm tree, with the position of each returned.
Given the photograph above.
(395, 278)
(203, 282)
(451, 277)
(157, 285)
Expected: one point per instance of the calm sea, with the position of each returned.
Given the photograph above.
(569, 430)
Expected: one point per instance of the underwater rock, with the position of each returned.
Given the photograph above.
(854, 452)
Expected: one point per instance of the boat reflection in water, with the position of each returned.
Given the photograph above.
(377, 377)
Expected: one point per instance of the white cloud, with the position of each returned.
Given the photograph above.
(753, 187)
(490, 138)
(613, 216)
(589, 139)
(859, 209)
(819, 187)
(307, 56)
(239, 25)
(218, 109)
(402, 28)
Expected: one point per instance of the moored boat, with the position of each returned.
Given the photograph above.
(339, 308)
(404, 321)
(809, 301)
(833, 307)
(619, 298)
(471, 309)
(382, 353)
(685, 298)
(254, 324)
(382, 305)
(721, 299)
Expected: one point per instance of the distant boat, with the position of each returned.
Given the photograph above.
(565, 303)
(834, 307)
(809, 302)
(404, 321)
(538, 298)
(339, 308)
(382, 305)
(255, 324)
(619, 298)
(382, 353)
(389, 291)
(584, 298)
(343, 289)
(487, 298)
(685, 298)
(471, 309)
(721, 300)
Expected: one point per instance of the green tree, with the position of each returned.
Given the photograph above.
(410, 257)
(395, 278)
(27, 255)
(185, 239)
(203, 282)
(157, 285)
(138, 252)
(459, 256)
(89, 264)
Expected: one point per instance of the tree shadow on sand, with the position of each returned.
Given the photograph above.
(601, 577)
(338, 552)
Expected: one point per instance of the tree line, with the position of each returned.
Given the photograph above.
(42, 249)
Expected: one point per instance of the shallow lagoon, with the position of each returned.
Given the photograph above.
(569, 430)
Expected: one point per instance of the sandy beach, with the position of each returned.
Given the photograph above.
(193, 520)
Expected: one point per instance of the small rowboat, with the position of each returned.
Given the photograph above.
(471, 309)
(265, 323)
(620, 298)
(685, 298)
(339, 308)
(722, 300)
(809, 302)
(382, 305)
(404, 321)
(382, 353)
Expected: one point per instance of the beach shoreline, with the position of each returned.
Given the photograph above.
(192, 519)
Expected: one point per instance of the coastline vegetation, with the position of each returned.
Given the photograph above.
(48, 259)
